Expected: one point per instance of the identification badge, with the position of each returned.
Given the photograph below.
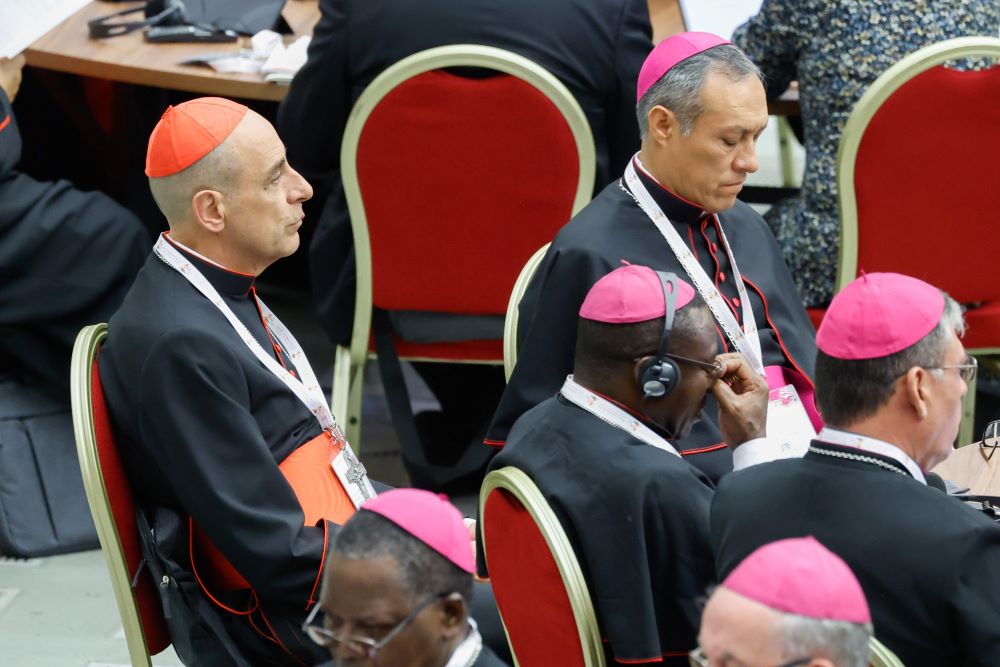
(352, 472)
(788, 425)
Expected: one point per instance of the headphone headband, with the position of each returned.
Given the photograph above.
(661, 375)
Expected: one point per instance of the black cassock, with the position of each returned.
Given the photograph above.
(613, 228)
(67, 259)
(203, 425)
(927, 563)
(638, 520)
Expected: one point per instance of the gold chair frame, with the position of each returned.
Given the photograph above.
(850, 141)
(81, 396)
(349, 362)
(513, 313)
(881, 655)
(518, 484)
(881, 89)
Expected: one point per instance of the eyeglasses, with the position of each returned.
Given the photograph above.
(369, 647)
(697, 658)
(714, 369)
(990, 441)
(966, 371)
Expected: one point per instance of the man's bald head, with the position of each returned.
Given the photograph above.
(219, 170)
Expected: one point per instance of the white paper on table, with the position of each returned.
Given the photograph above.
(720, 17)
(22, 22)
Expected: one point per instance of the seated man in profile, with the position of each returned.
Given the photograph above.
(792, 603)
(700, 108)
(225, 434)
(602, 453)
(398, 586)
(890, 376)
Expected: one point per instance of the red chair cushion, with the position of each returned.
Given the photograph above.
(924, 169)
(462, 180)
(469, 350)
(123, 508)
(816, 315)
(983, 326)
(528, 588)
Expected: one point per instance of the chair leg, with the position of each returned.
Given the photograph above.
(785, 139)
(345, 401)
(965, 435)
(357, 390)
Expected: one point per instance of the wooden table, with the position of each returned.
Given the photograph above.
(129, 59)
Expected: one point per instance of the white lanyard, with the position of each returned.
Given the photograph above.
(351, 473)
(611, 414)
(468, 651)
(873, 445)
(745, 340)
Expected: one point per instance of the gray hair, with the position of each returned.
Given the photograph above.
(846, 644)
(849, 390)
(680, 88)
(424, 571)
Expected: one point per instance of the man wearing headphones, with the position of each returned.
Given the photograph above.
(602, 453)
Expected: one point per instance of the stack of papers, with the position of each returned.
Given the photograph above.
(24, 21)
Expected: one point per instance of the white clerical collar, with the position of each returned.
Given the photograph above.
(864, 443)
(189, 251)
(611, 414)
(468, 651)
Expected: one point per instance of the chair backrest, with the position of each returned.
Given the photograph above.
(539, 588)
(111, 502)
(917, 161)
(453, 181)
(513, 310)
(881, 656)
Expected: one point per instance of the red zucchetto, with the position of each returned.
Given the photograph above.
(190, 131)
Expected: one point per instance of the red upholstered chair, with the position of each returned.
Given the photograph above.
(916, 173)
(452, 182)
(539, 587)
(881, 656)
(510, 321)
(111, 503)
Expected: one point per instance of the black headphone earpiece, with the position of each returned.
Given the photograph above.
(155, 12)
(661, 375)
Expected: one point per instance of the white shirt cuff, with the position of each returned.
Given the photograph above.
(762, 450)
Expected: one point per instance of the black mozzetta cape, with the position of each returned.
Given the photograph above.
(203, 425)
(927, 562)
(613, 228)
(638, 520)
(67, 259)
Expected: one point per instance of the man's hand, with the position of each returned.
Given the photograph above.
(10, 75)
(742, 396)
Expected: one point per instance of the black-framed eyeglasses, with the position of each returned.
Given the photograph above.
(697, 658)
(715, 369)
(966, 371)
(369, 647)
(991, 440)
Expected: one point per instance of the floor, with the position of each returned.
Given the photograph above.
(60, 611)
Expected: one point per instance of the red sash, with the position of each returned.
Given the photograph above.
(320, 494)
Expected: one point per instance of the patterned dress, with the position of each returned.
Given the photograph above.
(836, 49)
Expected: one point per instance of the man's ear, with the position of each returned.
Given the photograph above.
(661, 124)
(454, 613)
(209, 210)
(913, 384)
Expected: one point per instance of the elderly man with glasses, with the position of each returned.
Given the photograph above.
(890, 376)
(398, 587)
(791, 603)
